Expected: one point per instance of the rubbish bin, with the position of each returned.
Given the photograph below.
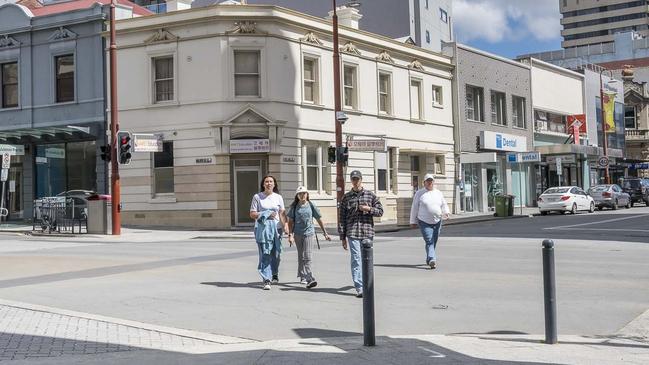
(510, 205)
(501, 205)
(98, 214)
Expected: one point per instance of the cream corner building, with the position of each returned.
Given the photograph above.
(237, 92)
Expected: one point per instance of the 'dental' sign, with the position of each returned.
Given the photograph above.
(502, 142)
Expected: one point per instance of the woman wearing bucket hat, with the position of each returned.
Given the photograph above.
(301, 231)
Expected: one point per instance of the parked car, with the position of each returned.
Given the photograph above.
(638, 189)
(610, 196)
(565, 199)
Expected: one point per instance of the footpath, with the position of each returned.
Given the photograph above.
(31, 334)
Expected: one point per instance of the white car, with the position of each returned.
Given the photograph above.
(565, 199)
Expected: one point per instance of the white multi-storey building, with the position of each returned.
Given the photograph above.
(237, 92)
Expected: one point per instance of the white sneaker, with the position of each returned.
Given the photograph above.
(303, 282)
(432, 264)
(267, 285)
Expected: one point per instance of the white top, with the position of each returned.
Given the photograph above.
(261, 202)
(428, 206)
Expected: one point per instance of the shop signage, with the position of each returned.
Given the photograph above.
(603, 161)
(147, 142)
(53, 152)
(524, 157)
(4, 175)
(502, 142)
(14, 149)
(249, 145)
(639, 166)
(204, 160)
(288, 159)
(366, 144)
(6, 161)
(41, 159)
(12, 186)
(564, 159)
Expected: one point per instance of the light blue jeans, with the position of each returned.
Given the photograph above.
(355, 246)
(268, 263)
(430, 232)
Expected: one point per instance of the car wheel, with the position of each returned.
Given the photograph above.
(573, 211)
(544, 213)
(592, 207)
(600, 207)
(614, 207)
(628, 204)
(631, 202)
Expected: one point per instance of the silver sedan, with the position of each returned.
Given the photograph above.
(610, 196)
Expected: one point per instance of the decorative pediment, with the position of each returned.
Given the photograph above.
(350, 48)
(416, 65)
(384, 56)
(161, 35)
(245, 27)
(7, 42)
(312, 38)
(62, 34)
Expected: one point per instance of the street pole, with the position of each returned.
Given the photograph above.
(605, 144)
(340, 180)
(114, 127)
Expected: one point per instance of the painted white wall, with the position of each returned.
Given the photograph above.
(557, 90)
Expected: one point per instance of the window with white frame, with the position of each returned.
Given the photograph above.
(518, 112)
(392, 170)
(440, 164)
(163, 169)
(438, 99)
(9, 80)
(311, 80)
(498, 108)
(381, 171)
(416, 111)
(385, 93)
(443, 15)
(163, 79)
(314, 168)
(246, 73)
(350, 84)
(64, 78)
(474, 102)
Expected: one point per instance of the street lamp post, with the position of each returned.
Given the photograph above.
(114, 127)
(607, 177)
(340, 180)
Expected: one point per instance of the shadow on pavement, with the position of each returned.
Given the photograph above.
(611, 344)
(405, 266)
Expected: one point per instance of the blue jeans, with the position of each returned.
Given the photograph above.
(268, 263)
(430, 232)
(356, 261)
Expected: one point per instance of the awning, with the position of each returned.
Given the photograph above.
(45, 134)
(591, 151)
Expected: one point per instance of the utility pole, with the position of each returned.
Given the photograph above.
(114, 127)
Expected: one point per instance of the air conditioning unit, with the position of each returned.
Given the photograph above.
(540, 125)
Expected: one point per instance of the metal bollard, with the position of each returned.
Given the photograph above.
(549, 293)
(369, 337)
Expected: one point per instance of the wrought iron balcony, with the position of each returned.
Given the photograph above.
(637, 134)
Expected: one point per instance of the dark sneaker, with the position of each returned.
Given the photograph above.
(359, 293)
(275, 279)
(266, 285)
(311, 284)
(432, 265)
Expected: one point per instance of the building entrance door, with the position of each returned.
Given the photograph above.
(14, 189)
(247, 175)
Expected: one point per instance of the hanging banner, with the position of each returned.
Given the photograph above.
(609, 108)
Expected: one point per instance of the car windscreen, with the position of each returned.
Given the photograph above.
(632, 184)
(600, 188)
(556, 191)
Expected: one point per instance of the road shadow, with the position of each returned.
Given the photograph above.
(609, 344)
(344, 290)
(229, 284)
(405, 266)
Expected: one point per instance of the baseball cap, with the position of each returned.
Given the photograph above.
(356, 174)
(429, 177)
(301, 189)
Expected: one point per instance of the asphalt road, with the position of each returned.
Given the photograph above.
(628, 225)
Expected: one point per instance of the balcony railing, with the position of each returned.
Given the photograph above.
(636, 134)
(157, 8)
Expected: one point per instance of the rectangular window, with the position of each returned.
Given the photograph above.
(385, 91)
(313, 174)
(9, 78)
(443, 15)
(630, 117)
(415, 171)
(163, 169)
(426, 4)
(314, 166)
(64, 78)
(246, 73)
(416, 111)
(311, 80)
(474, 102)
(381, 168)
(163, 79)
(350, 82)
(438, 99)
(392, 169)
(518, 112)
(428, 37)
(439, 164)
(498, 108)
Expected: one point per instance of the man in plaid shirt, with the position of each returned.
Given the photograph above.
(356, 224)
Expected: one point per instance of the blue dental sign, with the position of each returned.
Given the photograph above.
(502, 142)
(524, 157)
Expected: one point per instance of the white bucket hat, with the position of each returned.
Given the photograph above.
(301, 189)
(429, 177)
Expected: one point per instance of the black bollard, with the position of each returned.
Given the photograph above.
(549, 293)
(369, 337)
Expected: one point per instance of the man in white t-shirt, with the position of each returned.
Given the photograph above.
(428, 210)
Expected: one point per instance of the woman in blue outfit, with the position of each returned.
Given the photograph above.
(267, 210)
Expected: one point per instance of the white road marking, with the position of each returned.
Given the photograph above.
(434, 353)
(598, 222)
(600, 229)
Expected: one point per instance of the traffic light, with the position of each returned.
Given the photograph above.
(343, 155)
(331, 154)
(105, 152)
(124, 143)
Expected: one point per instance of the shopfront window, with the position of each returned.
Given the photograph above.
(471, 201)
(65, 166)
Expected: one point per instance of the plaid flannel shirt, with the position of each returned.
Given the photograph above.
(354, 223)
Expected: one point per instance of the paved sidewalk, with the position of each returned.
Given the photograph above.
(38, 335)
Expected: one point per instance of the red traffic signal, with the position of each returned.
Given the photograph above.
(124, 143)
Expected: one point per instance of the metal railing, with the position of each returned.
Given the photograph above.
(58, 214)
(157, 8)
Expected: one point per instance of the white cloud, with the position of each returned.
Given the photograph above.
(498, 20)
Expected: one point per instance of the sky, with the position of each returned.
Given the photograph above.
(508, 27)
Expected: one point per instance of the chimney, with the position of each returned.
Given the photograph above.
(347, 17)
